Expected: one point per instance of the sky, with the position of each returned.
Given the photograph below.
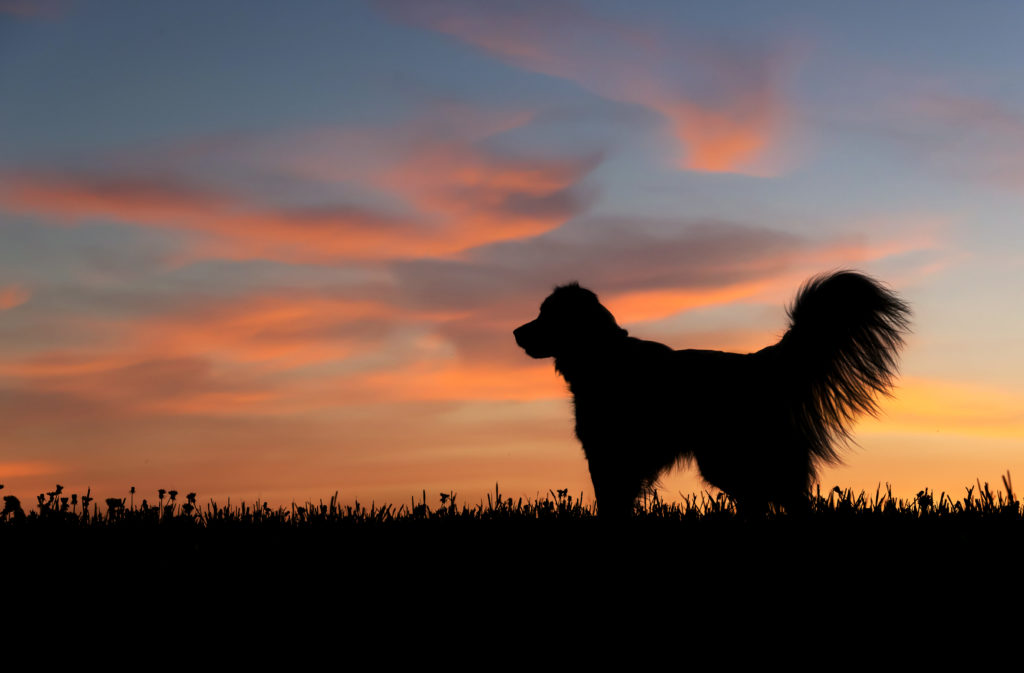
(277, 250)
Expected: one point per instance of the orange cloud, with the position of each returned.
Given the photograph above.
(58, 364)
(435, 188)
(729, 139)
(645, 305)
(26, 468)
(727, 110)
(195, 387)
(236, 229)
(277, 354)
(281, 331)
(258, 363)
(122, 386)
(276, 331)
(455, 381)
(489, 198)
(13, 295)
(291, 352)
(465, 192)
(464, 197)
(777, 278)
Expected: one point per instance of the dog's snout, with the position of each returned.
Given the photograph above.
(520, 334)
(531, 339)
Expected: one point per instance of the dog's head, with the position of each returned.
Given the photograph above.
(571, 320)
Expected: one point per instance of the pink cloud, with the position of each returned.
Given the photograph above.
(452, 380)
(771, 278)
(234, 228)
(443, 193)
(13, 295)
(732, 138)
(488, 198)
(277, 331)
(276, 354)
(443, 166)
(728, 110)
(265, 353)
(295, 352)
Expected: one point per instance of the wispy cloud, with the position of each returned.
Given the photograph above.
(971, 137)
(27, 468)
(272, 353)
(45, 9)
(272, 331)
(452, 380)
(13, 295)
(686, 263)
(439, 330)
(441, 190)
(234, 229)
(728, 109)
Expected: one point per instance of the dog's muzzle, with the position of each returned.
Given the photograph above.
(527, 338)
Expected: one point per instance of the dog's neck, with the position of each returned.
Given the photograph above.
(570, 367)
(585, 365)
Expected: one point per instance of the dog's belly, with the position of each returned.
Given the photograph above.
(755, 450)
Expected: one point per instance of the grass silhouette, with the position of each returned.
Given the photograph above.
(54, 509)
(512, 554)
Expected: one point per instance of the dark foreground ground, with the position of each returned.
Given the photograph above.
(519, 585)
(507, 552)
(510, 582)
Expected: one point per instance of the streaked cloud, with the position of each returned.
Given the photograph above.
(972, 137)
(727, 109)
(233, 229)
(646, 263)
(439, 195)
(27, 468)
(213, 357)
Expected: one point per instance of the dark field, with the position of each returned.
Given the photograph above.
(850, 547)
(560, 522)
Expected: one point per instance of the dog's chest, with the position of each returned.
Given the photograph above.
(613, 414)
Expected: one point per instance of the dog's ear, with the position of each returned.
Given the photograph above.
(582, 312)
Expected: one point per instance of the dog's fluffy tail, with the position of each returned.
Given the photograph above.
(841, 351)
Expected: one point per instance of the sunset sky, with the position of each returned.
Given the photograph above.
(278, 250)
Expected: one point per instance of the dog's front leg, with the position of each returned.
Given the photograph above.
(615, 488)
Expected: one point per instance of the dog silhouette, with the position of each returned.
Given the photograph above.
(758, 425)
